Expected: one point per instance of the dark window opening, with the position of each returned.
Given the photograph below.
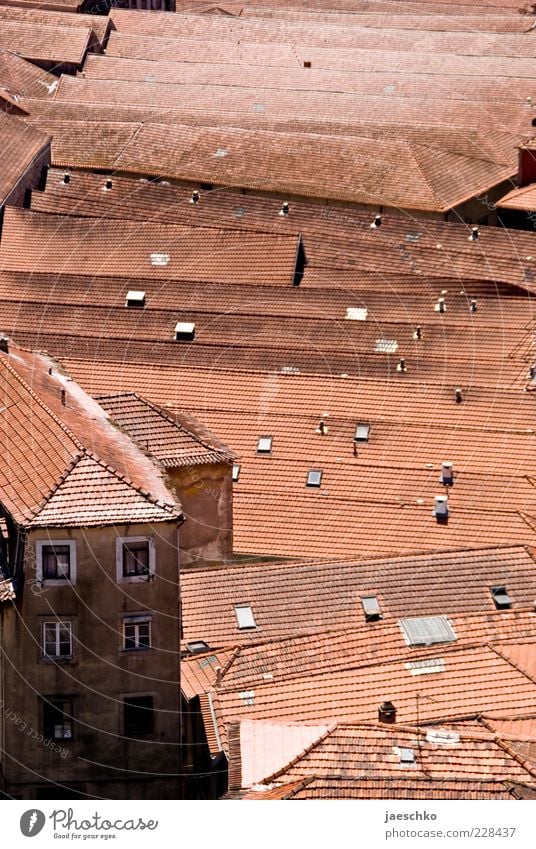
(135, 558)
(138, 716)
(56, 562)
(58, 722)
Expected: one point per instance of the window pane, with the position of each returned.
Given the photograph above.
(57, 719)
(56, 561)
(144, 635)
(136, 558)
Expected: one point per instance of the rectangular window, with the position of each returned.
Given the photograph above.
(135, 558)
(58, 723)
(136, 634)
(56, 561)
(138, 716)
(57, 639)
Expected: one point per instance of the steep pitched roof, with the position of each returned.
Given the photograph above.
(50, 475)
(174, 439)
(20, 145)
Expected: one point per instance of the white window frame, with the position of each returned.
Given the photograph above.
(133, 579)
(55, 582)
(136, 620)
(65, 623)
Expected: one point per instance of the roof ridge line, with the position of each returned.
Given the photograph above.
(331, 728)
(41, 403)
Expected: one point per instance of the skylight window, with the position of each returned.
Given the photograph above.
(356, 313)
(197, 646)
(362, 432)
(501, 598)
(371, 608)
(264, 445)
(244, 616)
(159, 259)
(427, 630)
(259, 107)
(184, 331)
(314, 477)
(236, 472)
(386, 346)
(407, 756)
(221, 152)
(135, 298)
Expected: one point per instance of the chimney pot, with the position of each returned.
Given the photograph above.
(387, 713)
(458, 395)
(66, 178)
(63, 397)
(108, 184)
(285, 208)
(195, 197)
(475, 233)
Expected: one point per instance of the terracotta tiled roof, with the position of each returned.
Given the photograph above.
(43, 15)
(91, 493)
(174, 439)
(359, 751)
(470, 682)
(21, 145)
(198, 672)
(293, 599)
(301, 79)
(53, 45)
(39, 243)
(319, 34)
(51, 477)
(20, 77)
(394, 788)
(523, 199)
(367, 644)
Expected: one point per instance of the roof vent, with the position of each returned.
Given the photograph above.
(307, 64)
(362, 432)
(473, 306)
(135, 298)
(195, 197)
(401, 366)
(4, 344)
(441, 306)
(532, 373)
(385, 346)
(66, 178)
(356, 313)
(441, 509)
(184, 331)
(475, 234)
(371, 608)
(447, 473)
(159, 259)
(285, 208)
(387, 713)
(62, 396)
(417, 333)
(108, 184)
(236, 472)
(264, 445)
(501, 598)
(314, 477)
(458, 397)
(322, 428)
(376, 223)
